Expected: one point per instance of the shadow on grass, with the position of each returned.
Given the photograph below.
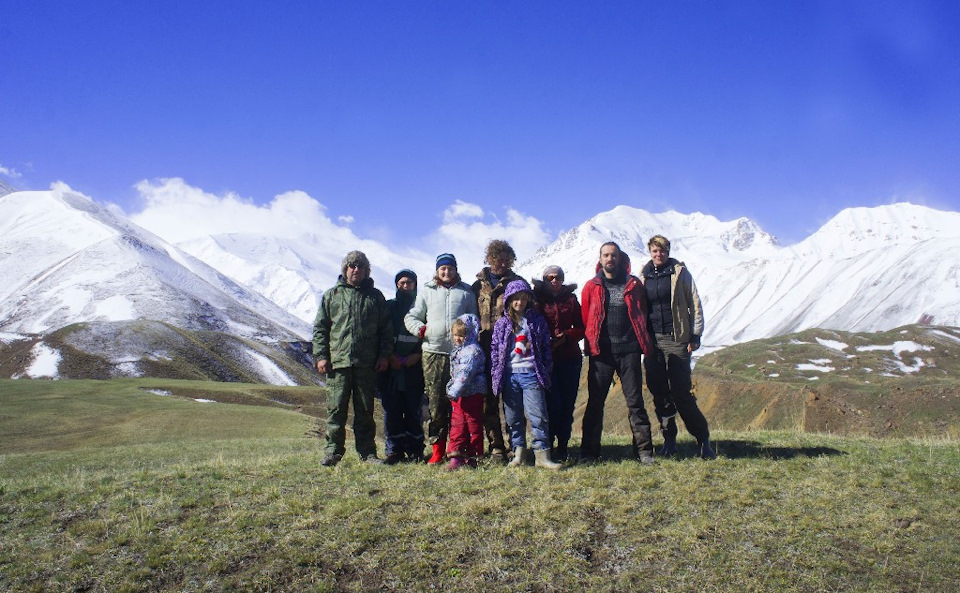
(738, 449)
(725, 448)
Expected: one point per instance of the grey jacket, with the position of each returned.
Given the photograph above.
(437, 307)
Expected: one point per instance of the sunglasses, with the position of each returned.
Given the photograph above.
(551, 277)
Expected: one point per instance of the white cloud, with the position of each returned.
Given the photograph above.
(178, 212)
(11, 173)
(467, 229)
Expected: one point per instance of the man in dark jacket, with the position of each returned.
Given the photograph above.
(614, 309)
(401, 385)
(352, 341)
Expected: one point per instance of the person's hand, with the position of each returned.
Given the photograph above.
(395, 362)
(381, 365)
(693, 345)
(412, 360)
(323, 365)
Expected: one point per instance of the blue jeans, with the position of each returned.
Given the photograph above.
(522, 392)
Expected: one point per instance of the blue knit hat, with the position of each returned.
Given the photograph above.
(446, 259)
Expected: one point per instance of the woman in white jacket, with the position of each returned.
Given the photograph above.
(438, 305)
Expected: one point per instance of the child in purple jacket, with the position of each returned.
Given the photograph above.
(520, 364)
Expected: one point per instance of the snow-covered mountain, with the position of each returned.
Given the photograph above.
(66, 259)
(868, 269)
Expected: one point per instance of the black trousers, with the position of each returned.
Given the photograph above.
(668, 377)
(600, 372)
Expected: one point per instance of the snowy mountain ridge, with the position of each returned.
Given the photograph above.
(66, 259)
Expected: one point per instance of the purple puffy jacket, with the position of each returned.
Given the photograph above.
(502, 341)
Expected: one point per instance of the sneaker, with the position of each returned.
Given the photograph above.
(331, 459)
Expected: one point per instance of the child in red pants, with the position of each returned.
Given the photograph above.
(466, 390)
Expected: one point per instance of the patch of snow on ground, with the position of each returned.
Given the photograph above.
(130, 369)
(7, 338)
(905, 368)
(896, 348)
(937, 332)
(797, 342)
(803, 366)
(162, 392)
(750, 366)
(269, 371)
(771, 362)
(46, 362)
(813, 378)
(821, 361)
(774, 375)
(116, 308)
(204, 401)
(833, 344)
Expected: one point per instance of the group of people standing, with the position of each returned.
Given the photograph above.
(502, 344)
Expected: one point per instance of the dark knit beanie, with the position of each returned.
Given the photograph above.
(405, 274)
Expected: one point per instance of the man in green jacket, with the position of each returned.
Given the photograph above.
(352, 341)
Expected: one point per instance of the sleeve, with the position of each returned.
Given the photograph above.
(577, 331)
(321, 330)
(384, 328)
(416, 317)
(696, 307)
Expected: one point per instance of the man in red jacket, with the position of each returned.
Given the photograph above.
(614, 307)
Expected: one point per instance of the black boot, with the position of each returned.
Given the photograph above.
(669, 431)
(706, 451)
(560, 453)
(643, 445)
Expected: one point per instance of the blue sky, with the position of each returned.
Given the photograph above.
(391, 112)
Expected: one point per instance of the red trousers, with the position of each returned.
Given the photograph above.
(466, 427)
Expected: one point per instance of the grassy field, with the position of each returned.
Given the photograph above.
(107, 487)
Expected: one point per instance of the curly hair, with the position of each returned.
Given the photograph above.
(500, 249)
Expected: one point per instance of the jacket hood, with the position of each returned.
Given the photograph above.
(542, 291)
(513, 288)
(473, 328)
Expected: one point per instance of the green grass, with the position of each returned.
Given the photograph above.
(246, 506)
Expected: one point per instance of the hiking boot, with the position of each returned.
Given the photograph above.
(669, 448)
(646, 457)
(668, 427)
(472, 462)
(518, 455)
(542, 459)
(393, 458)
(331, 459)
(706, 451)
(372, 460)
(498, 456)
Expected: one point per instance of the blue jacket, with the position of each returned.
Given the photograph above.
(468, 363)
